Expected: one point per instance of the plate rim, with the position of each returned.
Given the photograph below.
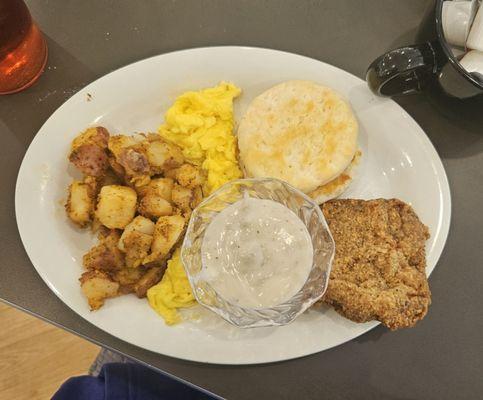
(428, 148)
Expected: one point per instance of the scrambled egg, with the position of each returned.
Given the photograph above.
(201, 123)
(173, 292)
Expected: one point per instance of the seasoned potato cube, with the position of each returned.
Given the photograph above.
(182, 197)
(90, 160)
(142, 190)
(136, 240)
(129, 158)
(150, 278)
(127, 278)
(163, 156)
(98, 286)
(117, 168)
(154, 206)
(162, 187)
(138, 224)
(88, 151)
(136, 246)
(93, 184)
(167, 232)
(80, 203)
(116, 206)
(98, 136)
(119, 142)
(106, 255)
(135, 165)
(189, 176)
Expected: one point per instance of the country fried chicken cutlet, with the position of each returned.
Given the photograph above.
(378, 271)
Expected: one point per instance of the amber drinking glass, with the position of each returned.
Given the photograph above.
(23, 50)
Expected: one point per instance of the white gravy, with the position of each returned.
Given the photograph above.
(256, 253)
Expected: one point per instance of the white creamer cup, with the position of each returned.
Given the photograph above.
(457, 17)
(475, 37)
(473, 63)
(458, 51)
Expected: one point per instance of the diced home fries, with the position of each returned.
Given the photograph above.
(137, 192)
(98, 286)
(163, 156)
(167, 232)
(88, 152)
(116, 206)
(80, 203)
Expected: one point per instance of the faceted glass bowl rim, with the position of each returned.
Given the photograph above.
(263, 320)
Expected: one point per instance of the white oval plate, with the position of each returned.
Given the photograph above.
(398, 161)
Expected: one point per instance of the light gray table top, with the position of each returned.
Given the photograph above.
(442, 358)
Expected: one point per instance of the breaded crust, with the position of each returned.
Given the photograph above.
(379, 266)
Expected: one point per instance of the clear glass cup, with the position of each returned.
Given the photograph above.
(306, 209)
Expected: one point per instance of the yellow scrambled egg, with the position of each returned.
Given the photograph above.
(173, 292)
(201, 123)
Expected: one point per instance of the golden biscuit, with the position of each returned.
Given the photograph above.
(300, 132)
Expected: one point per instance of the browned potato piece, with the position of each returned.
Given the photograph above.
(141, 190)
(127, 278)
(163, 156)
(80, 203)
(137, 247)
(187, 203)
(136, 240)
(93, 184)
(129, 158)
(150, 278)
(106, 255)
(138, 224)
(170, 173)
(182, 197)
(189, 176)
(118, 143)
(162, 187)
(90, 160)
(167, 232)
(88, 151)
(96, 226)
(152, 137)
(101, 230)
(98, 286)
(98, 136)
(111, 178)
(136, 165)
(116, 206)
(117, 168)
(154, 206)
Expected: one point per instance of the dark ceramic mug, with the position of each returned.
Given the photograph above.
(431, 63)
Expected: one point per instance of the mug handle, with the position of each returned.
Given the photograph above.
(402, 71)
